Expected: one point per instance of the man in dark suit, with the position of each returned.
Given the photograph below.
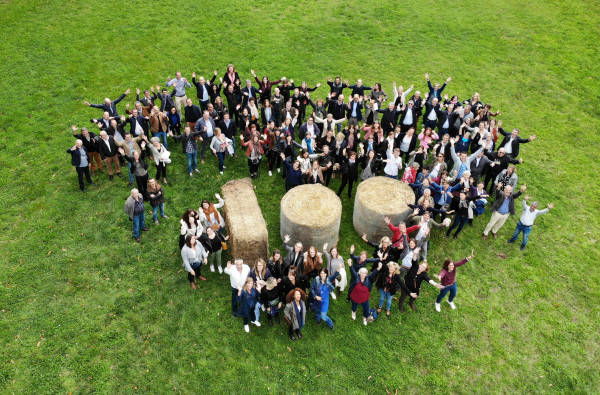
(435, 91)
(105, 120)
(355, 110)
(147, 99)
(247, 92)
(80, 160)
(389, 119)
(192, 112)
(338, 109)
(203, 89)
(432, 114)
(408, 117)
(228, 127)
(137, 123)
(89, 142)
(206, 126)
(336, 86)
(166, 99)
(109, 153)
(511, 141)
(108, 105)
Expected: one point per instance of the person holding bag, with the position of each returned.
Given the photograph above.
(295, 312)
(194, 256)
(213, 243)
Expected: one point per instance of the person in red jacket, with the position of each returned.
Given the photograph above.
(254, 152)
(448, 280)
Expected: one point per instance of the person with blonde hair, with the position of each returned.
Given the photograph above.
(270, 297)
(388, 283)
(334, 260)
(247, 297)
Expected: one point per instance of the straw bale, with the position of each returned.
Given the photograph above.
(380, 197)
(247, 229)
(311, 214)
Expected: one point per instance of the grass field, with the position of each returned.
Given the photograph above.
(84, 309)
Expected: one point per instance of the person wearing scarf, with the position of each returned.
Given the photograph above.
(254, 152)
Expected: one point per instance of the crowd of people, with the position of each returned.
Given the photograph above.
(454, 154)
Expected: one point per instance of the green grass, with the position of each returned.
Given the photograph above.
(84, 309)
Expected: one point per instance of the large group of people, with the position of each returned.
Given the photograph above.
(455, 155)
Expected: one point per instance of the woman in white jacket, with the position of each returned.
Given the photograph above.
(161, 158)
(193, 256)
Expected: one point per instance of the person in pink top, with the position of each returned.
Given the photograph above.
(448, 280)
(426, 137)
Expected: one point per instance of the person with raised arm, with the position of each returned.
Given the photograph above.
(361, 283)
(435, 90)
(502, 208)
(109, 105)
(530, 213)
(203, 89)
(238, 273)
(448, 280)
(179, 84)
(335, 260)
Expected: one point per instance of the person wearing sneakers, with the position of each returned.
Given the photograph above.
(388, 283)
(529, 215)
(194, 256)
(503, 207)
(413, 279)
(190, 147)
(294, 313)
(448, 280)
(247, 299)
(212, 242)
(238, 273)
(320, 289)
(334, 260)
(361, 284)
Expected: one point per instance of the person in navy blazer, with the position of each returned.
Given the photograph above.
(355, 107)
(513, 140)
(137, 119)
(81, 161)
(108, 105)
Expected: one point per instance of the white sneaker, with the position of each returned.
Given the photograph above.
(365, 321)
(353, 315)
(212, 268)
(256, 323)
(224, 167)
(220, 269)
(278, 170)
(270, 173)
(191, 175)
(452, 305)
(197, 171)
(221, 172)
(262, 308)
(438, 307)
(333, 295)
(247, 328)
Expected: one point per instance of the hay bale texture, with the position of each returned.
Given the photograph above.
(247, 229)
(380, 197)
(311, 214)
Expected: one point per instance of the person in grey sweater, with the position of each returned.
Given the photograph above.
(194, 256)
(530, 213)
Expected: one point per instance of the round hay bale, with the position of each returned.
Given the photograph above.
(311, 214)
(380, 197)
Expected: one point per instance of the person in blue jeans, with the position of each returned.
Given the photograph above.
(360, 286)
(190, 148)
(525, 223)
(320, 289)
(134, 208)
(448, 280)
(220, 146)
(389, 282)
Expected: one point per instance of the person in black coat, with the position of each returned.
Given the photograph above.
(109, 153)
(228, 128)
(203, 89)
(511, 141)
(413, 279)
(349, 170)
(388, 283)
(80, 160)
(135, 120)
(389, 119)
(108, 105)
